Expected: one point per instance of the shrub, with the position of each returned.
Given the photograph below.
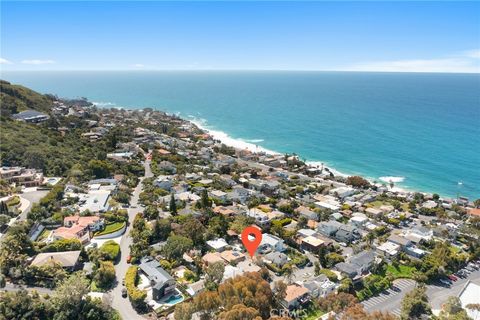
(110, 249)
(330, 274)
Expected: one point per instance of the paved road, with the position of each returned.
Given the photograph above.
(16, 287)
(390, 300)
(33, 197)
(123, 305)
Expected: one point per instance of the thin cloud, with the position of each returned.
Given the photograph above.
(465, 62)
(5, 61)
(473, 54)
(38, 61)
(138, 65)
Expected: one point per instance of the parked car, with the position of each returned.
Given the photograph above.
(445, 282)
(129, 259)
(124, 292)
(452, 277)
(123, 281)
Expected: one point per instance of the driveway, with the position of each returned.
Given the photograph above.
(121, 304)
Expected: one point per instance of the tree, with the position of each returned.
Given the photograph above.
(193, 229)
(207, 303)
(302, 222)
(288, 271)
(240, 312)
(100, 169)
(21, 305)
(415, 304)
(205, 201)
(151, 212)
(105, 274)
(14, 251)
(176, 246)
(280, 291)
(184, 311)
(214, 275)
(452, 310)
(477, 203)
(161, 229)
(67, 299)
(317, 268)
(173, 205)
(337, 302)
(358, 182)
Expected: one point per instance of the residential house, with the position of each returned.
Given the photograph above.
(218, 195)
(164, 182)
(296, 295)
(232, 257)
(161, 281)
(66, 259)
(31, 116)
(212, 257)
(319, 286)
(21, 176)
(218, 244)
(307, 213)
(342, 192)
(94, 223)
(388, 249)
(278, 258)
(271, 243)
(81, 233)
(357, 264)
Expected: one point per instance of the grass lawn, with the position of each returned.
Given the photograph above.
(313, 314)
(44, 235)
(109, 228)
(401, 271)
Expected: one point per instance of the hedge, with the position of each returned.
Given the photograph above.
(111, 228)
(136, 296)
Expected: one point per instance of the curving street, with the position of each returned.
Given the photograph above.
(121, 304)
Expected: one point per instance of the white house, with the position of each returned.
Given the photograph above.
(271, 243)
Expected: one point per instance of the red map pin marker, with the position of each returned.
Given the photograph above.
(251, 238)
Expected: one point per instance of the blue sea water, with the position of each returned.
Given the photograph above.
(423, 129)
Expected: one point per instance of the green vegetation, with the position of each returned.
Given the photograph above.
(111, 228)
(330, 274)
(415, 304)
(68, 301)
(401, 271)
(16, 98)
(373, 285)
(110, 250)
(137, 297)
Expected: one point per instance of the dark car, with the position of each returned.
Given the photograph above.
(124, 292)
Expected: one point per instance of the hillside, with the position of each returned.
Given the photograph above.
(41, 146)
(15, 98)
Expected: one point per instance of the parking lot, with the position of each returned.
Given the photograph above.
(390, 300)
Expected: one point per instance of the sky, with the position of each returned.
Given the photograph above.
(344, 36)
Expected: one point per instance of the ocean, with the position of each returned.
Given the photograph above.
(420, 130)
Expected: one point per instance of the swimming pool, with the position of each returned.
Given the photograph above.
(174, 299)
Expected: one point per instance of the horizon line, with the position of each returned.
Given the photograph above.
(234, 70)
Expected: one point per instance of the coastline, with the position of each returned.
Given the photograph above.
(241, 144)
